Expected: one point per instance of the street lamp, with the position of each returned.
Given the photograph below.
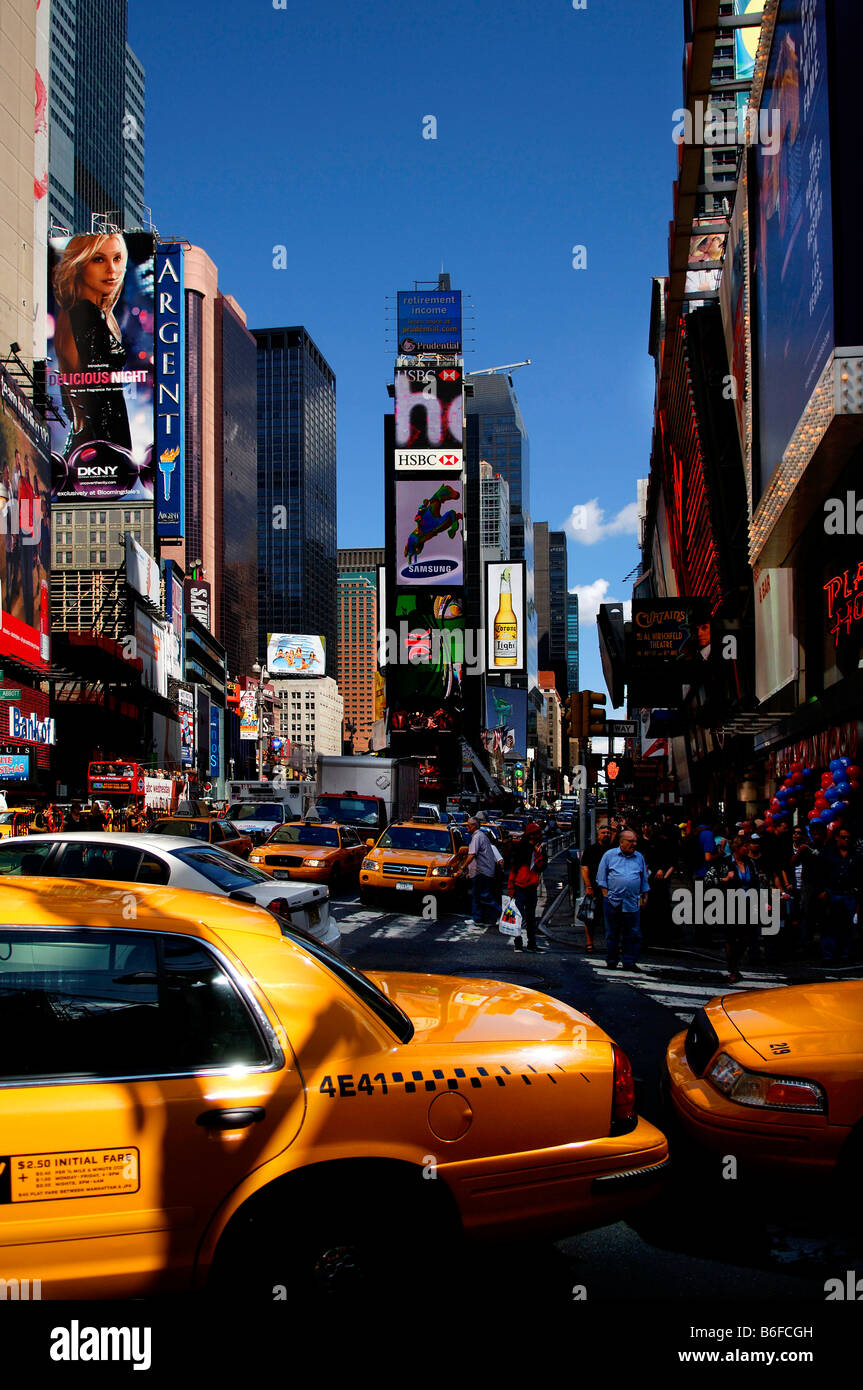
(261, 672)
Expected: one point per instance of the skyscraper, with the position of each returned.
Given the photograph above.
(296, 489)
(96, 105)
(572, 643)
(493, 514)
(221, 461)
(358, 623)
(495, 432)
(549, 554)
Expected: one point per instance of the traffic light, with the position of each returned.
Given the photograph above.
(592, 714)
(573, 717)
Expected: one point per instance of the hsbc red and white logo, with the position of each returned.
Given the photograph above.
(448, 461)
(449, 374)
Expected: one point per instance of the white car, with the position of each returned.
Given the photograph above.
(174, 861)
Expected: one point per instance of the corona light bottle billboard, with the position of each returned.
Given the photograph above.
(505, 626)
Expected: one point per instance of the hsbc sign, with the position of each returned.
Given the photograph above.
(448, 460)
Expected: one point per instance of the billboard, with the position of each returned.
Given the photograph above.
(430, 664)
(504, 617)
(505, 720)
(14, 767)
(429, 321)
(197, 594)
(215, 742)
(291, 655)
(731, 292)
(249, 714)
(186, 706)
(170, 476)
(99, 370)
(429, 418)
(429, 533)
(152, 649)
(25, 533)
(142, 572)
(776, 653)
(793, 229)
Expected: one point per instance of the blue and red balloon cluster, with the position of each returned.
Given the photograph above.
(832, 799)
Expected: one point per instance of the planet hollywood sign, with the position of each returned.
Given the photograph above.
(29, 728)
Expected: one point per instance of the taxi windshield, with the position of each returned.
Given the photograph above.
(305, 835)
(256, 810)
(416, 837)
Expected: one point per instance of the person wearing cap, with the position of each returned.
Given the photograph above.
(481, 865)
(525, 875)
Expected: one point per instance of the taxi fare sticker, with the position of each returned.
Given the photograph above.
(76, 1173)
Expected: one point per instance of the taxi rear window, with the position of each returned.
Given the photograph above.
(359, 984)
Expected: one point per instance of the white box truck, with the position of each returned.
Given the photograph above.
(366, 791)
(259, 807)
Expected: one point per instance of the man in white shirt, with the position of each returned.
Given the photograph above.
(482, 862)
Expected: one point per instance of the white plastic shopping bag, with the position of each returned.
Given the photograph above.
(510, 918)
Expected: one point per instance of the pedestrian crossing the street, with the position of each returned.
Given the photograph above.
(669, 986)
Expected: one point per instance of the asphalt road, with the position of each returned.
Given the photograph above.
(707, 1238)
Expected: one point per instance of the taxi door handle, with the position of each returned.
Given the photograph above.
(239, 1118)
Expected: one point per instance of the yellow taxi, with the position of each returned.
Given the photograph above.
(412, 857)
(774, 1076)
(193, 1093)
(312, 853)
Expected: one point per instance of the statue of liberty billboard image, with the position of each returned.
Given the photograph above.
(506, 720)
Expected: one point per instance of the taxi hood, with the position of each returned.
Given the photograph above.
(457, 1009)
(815, 1020)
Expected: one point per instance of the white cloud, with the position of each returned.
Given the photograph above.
(590, 596)
(586, 522)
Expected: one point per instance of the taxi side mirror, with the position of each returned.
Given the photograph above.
(370, 843)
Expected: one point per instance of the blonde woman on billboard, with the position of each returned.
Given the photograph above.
(87, 340)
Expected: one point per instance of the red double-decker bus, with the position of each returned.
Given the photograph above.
(120, 782)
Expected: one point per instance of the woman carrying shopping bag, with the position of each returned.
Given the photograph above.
(525, 875)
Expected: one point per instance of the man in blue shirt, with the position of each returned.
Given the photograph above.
(622, 876)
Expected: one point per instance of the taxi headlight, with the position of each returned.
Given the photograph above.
(312, 863)
(445, 872)
(256, 859)
(767, 1092)
(370, 863)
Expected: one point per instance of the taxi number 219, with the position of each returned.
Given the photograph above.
(346, 1086)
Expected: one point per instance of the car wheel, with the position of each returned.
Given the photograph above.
(367, 897)
(322, 1247)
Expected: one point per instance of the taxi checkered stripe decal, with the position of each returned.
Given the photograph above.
(348, 1085)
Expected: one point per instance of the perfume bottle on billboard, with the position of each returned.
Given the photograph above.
(505, 629)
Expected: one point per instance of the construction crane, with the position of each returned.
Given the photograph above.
(508, 367)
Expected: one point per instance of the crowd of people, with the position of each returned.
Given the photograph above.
(813, 875)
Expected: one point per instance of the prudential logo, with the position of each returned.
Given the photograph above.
(77, 1343)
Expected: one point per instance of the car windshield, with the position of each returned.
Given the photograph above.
(225, 870)
(191, 829)
(415, 837)
(256, 810)
(306, 835)
(355, 810)
(386, 1010)
(7, 817)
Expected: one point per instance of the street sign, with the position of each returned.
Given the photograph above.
(621, 728)
(10, 694)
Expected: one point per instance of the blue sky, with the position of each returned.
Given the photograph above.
(302, 127)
